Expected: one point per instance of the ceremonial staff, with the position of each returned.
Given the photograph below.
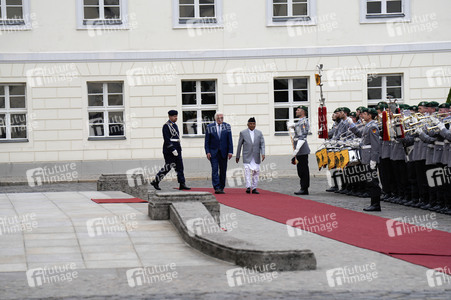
(322, 110)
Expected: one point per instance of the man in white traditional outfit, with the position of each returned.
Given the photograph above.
(253, 144)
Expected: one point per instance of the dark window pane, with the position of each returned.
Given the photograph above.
(374, 81)
(2, 90)
(114, 87)
(300, 83)
(19, 132)
(281, 84)
(299, 9)
(300, 96)
(18, 90)
(190, 116)
(2, 132)
(394, 6)
(186, 11)
(188, 86)
(280, 126)
(208, 86)
(2, 120)
(13, 2)
(116, 117)
(95, 117)
(374, 7)
(189, 128)
(95, 88)
(207, 11)
(2, 102)
(14, 13)
(92, 13)
(17, 102)
(111, 2)
(114, 100)
(374, 94)
(91, 2)
(280, 10)
(116, 129)
(280, 1)
(393, 80)
(18, 119)
(188, 99)
(112, 13)
(281, 113)
(208, 98)
(394, 92)
(206, 1)
(281, 96)
(186, 2)
(95, 100)
(208, 116)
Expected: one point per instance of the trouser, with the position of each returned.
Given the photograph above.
(303, 171)
(171, 161)
(400, 178)
(218, 171)
(374, 190)
(385, 171)
(420, 170)
(412, 180)
(251, 177)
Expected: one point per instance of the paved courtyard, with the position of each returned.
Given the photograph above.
(74, 248)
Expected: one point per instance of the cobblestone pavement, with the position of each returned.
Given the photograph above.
(206, 279)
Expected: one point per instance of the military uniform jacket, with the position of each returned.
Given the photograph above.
(446, 159)
(301, 130)
(428, 145)
(397, 151)
(171, 138)
(342, 127)
(332, 131)
(370, 146)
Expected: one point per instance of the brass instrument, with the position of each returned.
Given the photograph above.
(436, 126)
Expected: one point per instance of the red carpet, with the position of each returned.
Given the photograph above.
(124, 200)
(430, 248)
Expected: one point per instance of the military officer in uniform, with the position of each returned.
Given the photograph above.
(370, 149)
(172, 152)
(302, 150)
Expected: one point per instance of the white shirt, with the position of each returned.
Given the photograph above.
(252, 133)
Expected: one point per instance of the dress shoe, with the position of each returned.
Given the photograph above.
(155, 185)
(301, 192)
(184, 187)
(447, 212)
(374, 207)
(332, 189)
(365, 195)
(254, 191)
(425, 207)
(437, 207)
(248, 190)
(219, 192)
(342, 191)
(419, 204)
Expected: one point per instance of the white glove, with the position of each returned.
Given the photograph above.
(175, 153)
(350, 121)
(290, 124)
(440, 126)
(419, 130)
(372, 164)
(298, 146)
(435, 121)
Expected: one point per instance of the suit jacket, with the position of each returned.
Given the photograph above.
(251, 150)
(216, 145)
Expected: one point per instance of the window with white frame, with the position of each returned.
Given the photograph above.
(291, 12)
(106, 110)
(13, 113)
(110, 13)
(199, 105)
(289, 93)
(197, 13)
(384, 10)
(383, 87)
(14, 13)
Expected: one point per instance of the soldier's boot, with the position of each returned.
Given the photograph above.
(155, 185)
(332, 189)
(375, 205)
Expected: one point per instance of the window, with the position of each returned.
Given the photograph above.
(291, 12)
(384, 10)
(197, 13)
(15, 13)
(198, 106)
(381, 87)
(106, 110)
(13, 113)
(109, 13)
(289, 93)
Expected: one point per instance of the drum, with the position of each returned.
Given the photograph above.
(354, 157)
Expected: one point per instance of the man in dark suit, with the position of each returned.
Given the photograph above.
(219, 149)
(172, 152)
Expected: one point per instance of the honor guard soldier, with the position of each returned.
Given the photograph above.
(172, 152)
(370, 153)
(302, 150)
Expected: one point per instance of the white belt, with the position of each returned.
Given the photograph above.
(366, 146)
(430, 146)
(295, 139)
(417, 139)
(175, 140)
(439, 143)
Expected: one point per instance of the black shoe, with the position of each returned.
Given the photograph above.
(156, 185)
(365, 195)
(447, 212)
(348, 192)
(184, 187)
(425, 207)
(332, 189)
(254, 191)
(437, 208)
(374, 207)
(248, 190)
(419, 204)
(342, 191)
(219, 192)
(301, 192)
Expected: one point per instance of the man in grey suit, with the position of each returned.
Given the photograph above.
(253, 144)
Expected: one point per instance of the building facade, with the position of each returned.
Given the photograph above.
(91, 81)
